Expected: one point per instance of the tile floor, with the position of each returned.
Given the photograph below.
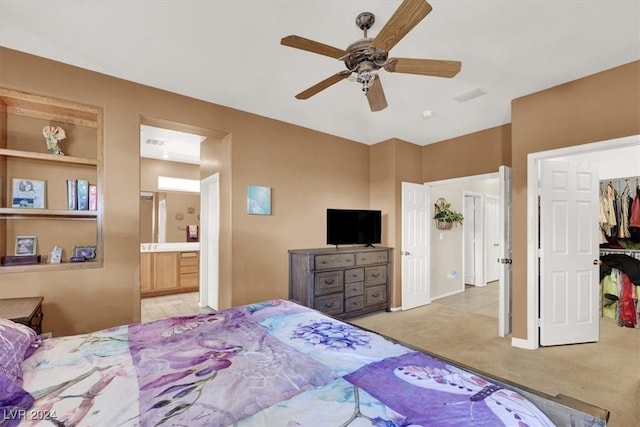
(154, 308)
(480, 300)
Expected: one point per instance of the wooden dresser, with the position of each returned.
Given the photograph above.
(341, 282)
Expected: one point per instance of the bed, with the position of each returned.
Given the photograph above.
(274, 363)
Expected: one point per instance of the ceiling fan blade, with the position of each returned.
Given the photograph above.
(323, 85)
(375, 96)
(312, 46)
(425, 67)
(401, 22)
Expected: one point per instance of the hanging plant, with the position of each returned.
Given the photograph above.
(446, 217)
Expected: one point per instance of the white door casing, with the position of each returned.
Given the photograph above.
(504, 261)
(469, 243)
(209, 241)
(473, 231)
(492, 238)
(416, 214)
(569, 253)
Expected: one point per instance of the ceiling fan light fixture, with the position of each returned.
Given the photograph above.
(366, 56)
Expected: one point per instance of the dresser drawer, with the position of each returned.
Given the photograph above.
(354, 275)
(375, 275)
(331, 304)
(328, 282)
(354, 303)
(375, 257)
(375, 295)
(353, 289)
(334, 261)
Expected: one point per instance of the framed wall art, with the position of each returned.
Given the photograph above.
(28, 193)
(86, 252)
(26, 245)
(258, 200)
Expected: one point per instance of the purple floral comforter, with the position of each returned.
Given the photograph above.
(270, 364)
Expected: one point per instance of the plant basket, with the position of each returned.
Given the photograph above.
(443, 225)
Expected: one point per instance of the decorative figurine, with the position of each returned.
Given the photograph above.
(53, 135)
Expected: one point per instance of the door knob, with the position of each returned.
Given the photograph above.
(597, 262)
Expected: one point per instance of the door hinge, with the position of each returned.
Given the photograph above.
(505, 260)
(539, 322)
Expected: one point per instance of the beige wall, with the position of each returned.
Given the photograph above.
(392, 162)
(473, 154)
(307, 170)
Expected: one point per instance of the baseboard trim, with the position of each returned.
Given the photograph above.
(522, 343)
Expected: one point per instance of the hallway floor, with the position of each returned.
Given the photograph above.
(475, 299)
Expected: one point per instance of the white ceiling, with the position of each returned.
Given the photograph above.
(229, 53)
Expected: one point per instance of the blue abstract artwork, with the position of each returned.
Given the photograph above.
(258, 200)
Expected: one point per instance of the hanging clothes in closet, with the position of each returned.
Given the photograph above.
(620, 280)
(620, 212)
(634, 216)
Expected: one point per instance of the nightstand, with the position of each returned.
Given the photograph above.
(27, 311)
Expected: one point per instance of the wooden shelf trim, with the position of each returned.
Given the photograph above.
(50, 267)
(48, 157)
(24, 104)
(30, 213)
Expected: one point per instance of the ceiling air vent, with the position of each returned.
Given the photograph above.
(469, 95)
(156, 142)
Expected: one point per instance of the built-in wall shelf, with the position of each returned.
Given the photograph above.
(47, 157)
(24, 156)
(49, 267)
(30, 213)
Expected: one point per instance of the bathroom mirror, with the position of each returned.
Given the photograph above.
(166, 215)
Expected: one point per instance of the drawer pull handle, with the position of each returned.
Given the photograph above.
(376, 295)
(376, 274)
(323, 262)
(328, 305)
(328, 281)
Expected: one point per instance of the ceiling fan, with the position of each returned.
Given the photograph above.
(365, 57)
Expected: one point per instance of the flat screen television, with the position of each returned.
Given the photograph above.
(353, 226)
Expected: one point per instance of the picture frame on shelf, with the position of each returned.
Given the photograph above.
(26, 245)
(86, 252)
(56, 255)
(28, 193)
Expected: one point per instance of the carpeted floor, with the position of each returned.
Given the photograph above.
(605, 374)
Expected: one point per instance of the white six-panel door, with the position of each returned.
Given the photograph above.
(569, 253)
(416, 215)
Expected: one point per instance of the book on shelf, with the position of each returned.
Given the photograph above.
(93, 197)
(83, 194)
(72, 194)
